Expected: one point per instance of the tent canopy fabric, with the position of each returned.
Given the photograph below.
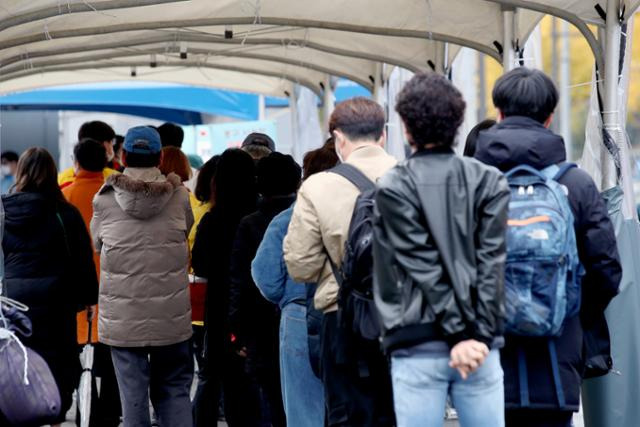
(299, 41)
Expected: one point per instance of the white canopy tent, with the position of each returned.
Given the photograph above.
(269, 46)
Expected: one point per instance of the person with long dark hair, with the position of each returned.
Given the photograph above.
(233, 196)
(48, 266)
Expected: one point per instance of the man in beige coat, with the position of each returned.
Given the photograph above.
(140, 224)
(319, 226)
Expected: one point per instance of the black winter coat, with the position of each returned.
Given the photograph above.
(49, 267)
(521, 140)
(253, 319)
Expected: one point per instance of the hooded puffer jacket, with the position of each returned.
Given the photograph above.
(521, 140)
(140, 225)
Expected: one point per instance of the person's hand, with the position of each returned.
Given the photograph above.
(242, 352)
(467, 356)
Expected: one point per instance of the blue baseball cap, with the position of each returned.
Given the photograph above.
(142, 140)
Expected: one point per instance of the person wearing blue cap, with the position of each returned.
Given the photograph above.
(140, 225)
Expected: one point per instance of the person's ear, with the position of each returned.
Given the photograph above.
(124, 159)
(339, 139)
(547, 123)
(161, 157)
(382, 141)
(500, 115)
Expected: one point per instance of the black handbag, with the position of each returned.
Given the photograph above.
(29, 395)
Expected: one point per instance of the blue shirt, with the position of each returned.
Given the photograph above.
(268, 268)
(5, 183)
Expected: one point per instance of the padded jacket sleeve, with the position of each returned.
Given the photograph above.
(597, 245)
(239, 280)
(304, 251)
(491, 255)
(203, 247)
(81, 255)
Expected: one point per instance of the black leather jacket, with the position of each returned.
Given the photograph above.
(439, 250)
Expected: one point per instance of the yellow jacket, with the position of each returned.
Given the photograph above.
(68, 175)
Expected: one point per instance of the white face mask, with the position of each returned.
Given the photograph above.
(6, 170)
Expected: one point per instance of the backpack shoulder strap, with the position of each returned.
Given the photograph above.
(563, 169)
(354, 175)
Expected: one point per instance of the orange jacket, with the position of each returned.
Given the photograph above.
(80, 194)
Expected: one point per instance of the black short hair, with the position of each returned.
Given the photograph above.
(137, 160)
(90, 155)
(171, 135)
(100, 131)
(10, 156)
(472, 138)
(525, 92)
(278, 175)
(205, 175)
(359, 118)
(431, 108)
(119, 140)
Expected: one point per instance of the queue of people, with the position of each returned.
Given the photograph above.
(354, 291)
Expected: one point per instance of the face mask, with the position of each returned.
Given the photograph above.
(6, 170)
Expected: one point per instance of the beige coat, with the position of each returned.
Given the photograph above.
(321, 218)
(140, 225)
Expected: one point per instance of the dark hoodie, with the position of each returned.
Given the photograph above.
(521, 140)
(49, 267)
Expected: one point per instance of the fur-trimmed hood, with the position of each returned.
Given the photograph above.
(142, 193)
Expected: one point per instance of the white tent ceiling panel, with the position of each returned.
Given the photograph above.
(215, 78)
(278, 56)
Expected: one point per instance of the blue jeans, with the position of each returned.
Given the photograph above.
(302, 391)
(164, 373)
(422, 383)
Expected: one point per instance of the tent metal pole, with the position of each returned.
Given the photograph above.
(262, 109)
(328, 100)
(378, 83)
(293, 109)
(610, 116)
(565, 92)
(508, 53)
(562, 14)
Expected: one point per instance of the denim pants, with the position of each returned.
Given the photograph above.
(165, 374)
(422, 383)
(302, 391)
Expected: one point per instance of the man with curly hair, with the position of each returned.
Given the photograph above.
(439, 254)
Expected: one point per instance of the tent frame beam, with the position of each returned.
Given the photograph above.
(582, 26)
(292, 79)
(70, 8)
(205, 22)
(174, 37)
(176, 49)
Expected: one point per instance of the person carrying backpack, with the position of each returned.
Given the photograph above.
(357, 388)
(556, 330)
(439, 251)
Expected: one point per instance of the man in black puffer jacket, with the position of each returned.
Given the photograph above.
(525, 100)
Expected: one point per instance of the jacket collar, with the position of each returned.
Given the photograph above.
(366, 152)
(83, 174)
(517, 141)
(145, 174)
(438, 149)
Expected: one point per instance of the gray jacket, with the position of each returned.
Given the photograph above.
(140, 225)
(439, 250)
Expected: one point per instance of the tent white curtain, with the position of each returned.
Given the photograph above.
(463, 75)
(308, 131)
(396, 142)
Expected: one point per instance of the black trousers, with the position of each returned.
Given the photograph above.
(356, 379)
(537, 418)
(105, 405)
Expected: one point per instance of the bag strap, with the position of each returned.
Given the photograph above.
(563, 169)
(355, 176)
